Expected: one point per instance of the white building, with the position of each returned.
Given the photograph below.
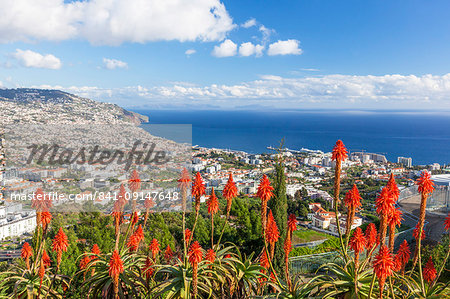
(15, 222)
(407, 162)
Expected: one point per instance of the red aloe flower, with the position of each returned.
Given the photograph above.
(187, 234)
(84, 262)
(264, 189)
(154, 247)
(198, 186)
(447, 222)
(371, 235)
(426, 185)
(185, 179)
(263, 260)
(60, 243)
(133, 243)
(429, 272)
(41, 273)
(210, 255)
(403, 253)
(115, 269)
(95, 249)
(352, 198)
(212, 203)
(416, 233)
(272, 233)
(139, 233)
(168, 254)
(26, 253)
(46, 217)
(195, 256)
(384, 202)
(383, 266)
(358, 241)
(339, 152)
(394, 220)
(292, 223)
(134, 183)
(134, 219)
(46, 259)
(287, 247)
(393, 188)
(230, 191)
(385, 206)
(148, 268)
(264, 193)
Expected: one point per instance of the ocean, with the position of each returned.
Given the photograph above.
(423, 136)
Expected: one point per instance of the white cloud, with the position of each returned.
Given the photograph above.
(225, 49)
(266, 33)
(248, 49)
(114, 22)
(285, 47)
(112, 64)
(29, 58)
(190, 52)
(331, 91)
(249, 23)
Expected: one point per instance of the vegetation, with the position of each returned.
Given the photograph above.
(225, 249)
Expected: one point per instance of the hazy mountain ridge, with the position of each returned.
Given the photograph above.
(55, 106)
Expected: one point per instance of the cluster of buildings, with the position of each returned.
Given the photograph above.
(15, 221)
(325, 220)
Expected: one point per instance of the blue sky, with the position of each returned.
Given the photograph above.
(199, 54)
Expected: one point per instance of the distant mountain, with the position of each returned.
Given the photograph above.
(55, 106)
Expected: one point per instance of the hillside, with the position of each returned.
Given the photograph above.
(55, 106)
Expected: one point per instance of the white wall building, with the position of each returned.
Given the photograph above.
(15, 222)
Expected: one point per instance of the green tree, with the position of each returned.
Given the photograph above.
(278, 205)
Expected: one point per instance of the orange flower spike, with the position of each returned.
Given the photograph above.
(139, 233)
(393, 188)
(84, 262)
(168, 254)
(46, 259)
(210, 255)
(26, 253)
(41, 272)
(416, 233)
(60, 243)
(396, 218)
(133, 243)
(404, 253)
(429, 272)
(198, 186)
(95, 249)
(287, 247)
(185, 179)
(46, 217)
(134, 183)
(292, 223)
(195, 256)
(154, 247)
(371, 235)
(263, 260)
(352, 198)
(230, 191)
(212, 203)
(115, 269)
(195, 253)
(358, 241)
(264, 193)
(425, 184)
(272, 233)
(339, 152)
(265, 189)
(384, 202)
(148, 268)
(383, 266)
(447, 222)
(187, 234)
